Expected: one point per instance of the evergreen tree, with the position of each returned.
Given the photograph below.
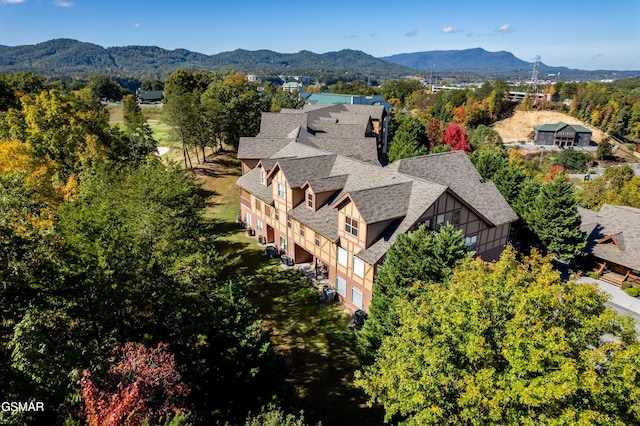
(555, 219)
(417, 258)
(409, 140)
(137, 130)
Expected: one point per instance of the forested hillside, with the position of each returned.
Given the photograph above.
(73, 58)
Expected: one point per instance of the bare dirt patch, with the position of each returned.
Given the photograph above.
(518, 127)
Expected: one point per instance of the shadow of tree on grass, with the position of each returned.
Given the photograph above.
(318, 345)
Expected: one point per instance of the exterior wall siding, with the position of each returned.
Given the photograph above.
(302, 246)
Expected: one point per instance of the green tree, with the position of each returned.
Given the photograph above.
(617, 177)
(275, 99)
(416, 259)
(409, 140)
(507, 343)
(604, 149)
(103, 87)
(593, 193)
(629, 195)
(137, 129)
(483, 136)
(555, 219)
(572, 160)
(149, 85)
(489, 163)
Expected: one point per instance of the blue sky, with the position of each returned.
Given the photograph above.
(583, 34)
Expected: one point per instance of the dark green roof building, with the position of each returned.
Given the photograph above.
(562, 135)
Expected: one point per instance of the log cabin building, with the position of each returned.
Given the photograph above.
(313, 186)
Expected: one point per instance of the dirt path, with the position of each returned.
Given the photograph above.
(521, 124)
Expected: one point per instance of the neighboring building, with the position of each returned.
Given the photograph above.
(252, 78)
(151, 96)
(336, 98)
(614, 241)
(292, 86)
(313, 186)
(562, 135)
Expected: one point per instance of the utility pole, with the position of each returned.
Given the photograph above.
(534, 80)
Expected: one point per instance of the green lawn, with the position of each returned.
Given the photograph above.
(312, 336)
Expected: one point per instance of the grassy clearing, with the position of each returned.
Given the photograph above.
(312, 336)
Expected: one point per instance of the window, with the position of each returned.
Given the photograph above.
(351, 226)
(471, 242)
(259, 225)
(456, 218)
(356, 297)
(247, 218)
(342, 256)
(302, 230)
(288, 223)
(282, 191)
(341, 286)
(358, 266)
(263, 177)
(276, 215)
(316, 239)
(439, 221)
(310, 200)
(283, 243)
(258, 205)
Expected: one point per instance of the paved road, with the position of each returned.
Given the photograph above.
(620, 301)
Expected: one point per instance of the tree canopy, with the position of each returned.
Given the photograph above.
(507, 343)
(415, 260)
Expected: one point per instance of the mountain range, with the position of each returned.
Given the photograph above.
(67, 57)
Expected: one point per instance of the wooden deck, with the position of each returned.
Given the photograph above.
(614, 278)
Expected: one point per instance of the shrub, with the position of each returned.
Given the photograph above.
(592, 274)
(633, 291)
(572, 160)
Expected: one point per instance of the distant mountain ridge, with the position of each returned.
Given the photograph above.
(72, 58)
(467, 59)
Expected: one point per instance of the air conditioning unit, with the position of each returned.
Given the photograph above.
(262, 239)
(251, 232)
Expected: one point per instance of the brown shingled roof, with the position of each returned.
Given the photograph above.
(455, 170)
(380, 203)
(622, 224)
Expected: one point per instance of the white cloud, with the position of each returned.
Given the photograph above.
(450, 30)
(11, 1)
(136, 25)
(62, 3)
(505, 29)
(413, 33)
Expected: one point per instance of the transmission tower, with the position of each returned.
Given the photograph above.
(534, 79)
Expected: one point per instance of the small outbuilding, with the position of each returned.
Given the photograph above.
(562, 135)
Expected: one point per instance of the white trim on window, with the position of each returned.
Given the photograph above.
(282, 191)
(356, 297)
(341, 286)
(283, 243)
(342, 256)
(247, 218)
(259, 225)
(358, 266)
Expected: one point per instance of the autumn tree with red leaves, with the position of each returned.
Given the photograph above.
(456, 138)
(555, 170)
(144, 386)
